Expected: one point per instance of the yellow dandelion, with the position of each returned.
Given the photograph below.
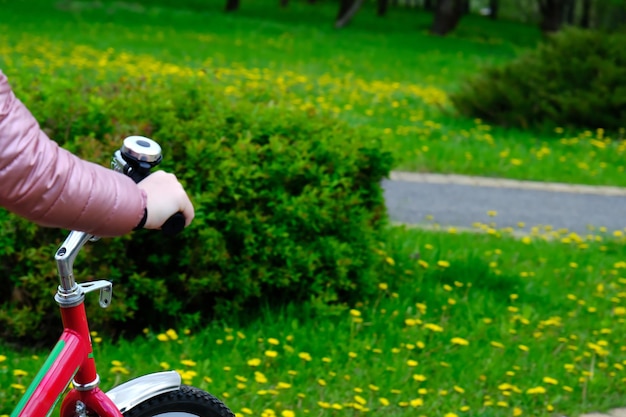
(119, 370)
(459, 341)
(618, 311)
(417, 402)
(360, 400)
(433, 327)
(550, 381)
(536, 390)
(254, 362)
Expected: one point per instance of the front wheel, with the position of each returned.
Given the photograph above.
(184, 402)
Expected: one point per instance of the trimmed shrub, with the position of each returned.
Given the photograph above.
(289, 208)
(577, 78)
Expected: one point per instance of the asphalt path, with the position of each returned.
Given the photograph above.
(458, 201)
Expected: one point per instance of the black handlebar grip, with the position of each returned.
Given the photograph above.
(174, 225)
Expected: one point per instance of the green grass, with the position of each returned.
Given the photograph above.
(387, 74)
(468, 324)
(540, 313)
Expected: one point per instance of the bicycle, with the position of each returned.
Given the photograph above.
(71, 360)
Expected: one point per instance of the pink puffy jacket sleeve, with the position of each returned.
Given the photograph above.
(52, 187)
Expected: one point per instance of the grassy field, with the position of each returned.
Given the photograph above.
(387, 74)
(464, 324)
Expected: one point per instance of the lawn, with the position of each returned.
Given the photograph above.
(386, 74)
(463, 324)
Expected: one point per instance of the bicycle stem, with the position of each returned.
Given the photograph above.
(135, 159)
(68, 292)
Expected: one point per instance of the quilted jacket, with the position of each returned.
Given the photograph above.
(52, 187)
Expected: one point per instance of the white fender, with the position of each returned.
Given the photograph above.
(138, 390)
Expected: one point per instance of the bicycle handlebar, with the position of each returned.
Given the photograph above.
(137, 156)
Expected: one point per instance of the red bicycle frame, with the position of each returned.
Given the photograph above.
(71, 360)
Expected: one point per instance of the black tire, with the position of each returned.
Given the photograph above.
(184, 402)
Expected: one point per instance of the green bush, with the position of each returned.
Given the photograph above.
(577, 78)
(289, 207)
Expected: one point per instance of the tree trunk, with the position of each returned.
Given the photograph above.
(494, 6)
(551, 15)
(344, 6)
(570, 11)
(466, 7)
(348, 14)
(447, 16)
(585, 18)
(232, 5)
(428, 5)
(381, 9)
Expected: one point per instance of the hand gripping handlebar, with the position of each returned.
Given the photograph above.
(137, 156)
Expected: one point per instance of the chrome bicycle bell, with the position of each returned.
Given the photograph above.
(136, 157)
